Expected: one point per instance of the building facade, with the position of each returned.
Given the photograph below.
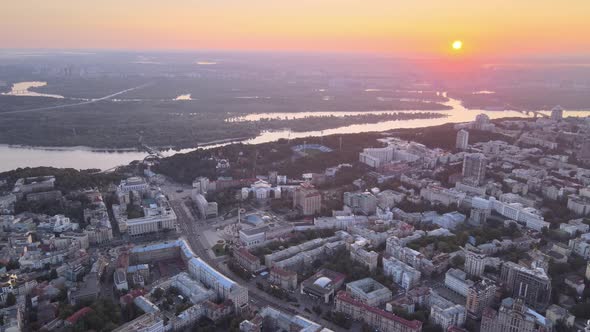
(462, 141)
(378, 319)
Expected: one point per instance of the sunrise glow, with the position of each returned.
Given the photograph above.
(375, 26)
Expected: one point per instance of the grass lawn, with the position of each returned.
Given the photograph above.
(219, 249)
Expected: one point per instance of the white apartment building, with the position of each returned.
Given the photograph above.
(365, 203)
(530, 217)
(261, 190)
(581, 247)
(457, 281)
(164, 219)
(375, 157)
(369, 292)
(388, 198)
(462, 141)
(192, 289)
(402, 274)
(441, 195)
(580, 205)
(133, 183)
(448, 316)
(145, 323)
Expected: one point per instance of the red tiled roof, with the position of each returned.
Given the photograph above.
(127, 299)
(79, 314)
(247, 254)
(344, 296)
(137, 292)
(281, 272)
(123, 260)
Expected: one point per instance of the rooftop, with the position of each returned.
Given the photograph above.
(344, 296)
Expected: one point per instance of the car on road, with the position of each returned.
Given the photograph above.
(179, 190)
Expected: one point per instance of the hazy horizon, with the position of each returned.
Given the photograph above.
(422, 29)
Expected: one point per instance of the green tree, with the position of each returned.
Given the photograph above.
(10, 299)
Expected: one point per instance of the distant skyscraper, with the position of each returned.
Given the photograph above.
(474, 168)
(481, 120)
(557, 113)
(462, 139)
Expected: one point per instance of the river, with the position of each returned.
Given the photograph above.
(22, 89)
(12, 157)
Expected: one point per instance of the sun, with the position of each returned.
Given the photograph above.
(457, 45)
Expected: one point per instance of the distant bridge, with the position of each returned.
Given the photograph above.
(527, 112)
(153, 152)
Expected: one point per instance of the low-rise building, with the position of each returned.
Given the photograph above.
(457, 281)
(402, 274)
(206, 209)
(307, 199)
(283, 278)
(576, 283)
(323, 285)
(369, 292)
(448, 316)
(579, 205)
(152, 322)
(364, 257)
(276, 320)
(556, 314)
(247, 260)
(378, 319)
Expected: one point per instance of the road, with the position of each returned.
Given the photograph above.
(77, 104)
(193, 230)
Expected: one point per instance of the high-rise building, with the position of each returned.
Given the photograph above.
(557, 113)
(513, 315)
(462, 139)
(532, 285)
(480, 296)
(307, 199)
(474, 263)
(481, 121)
(474, 168)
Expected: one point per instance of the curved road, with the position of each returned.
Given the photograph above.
(193, 229)
(79, 103)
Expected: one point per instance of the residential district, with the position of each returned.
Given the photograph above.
(486, 235)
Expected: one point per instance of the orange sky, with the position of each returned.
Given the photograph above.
(405, 27)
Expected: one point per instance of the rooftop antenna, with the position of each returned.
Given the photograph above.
(240, 211)
(255, 161)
